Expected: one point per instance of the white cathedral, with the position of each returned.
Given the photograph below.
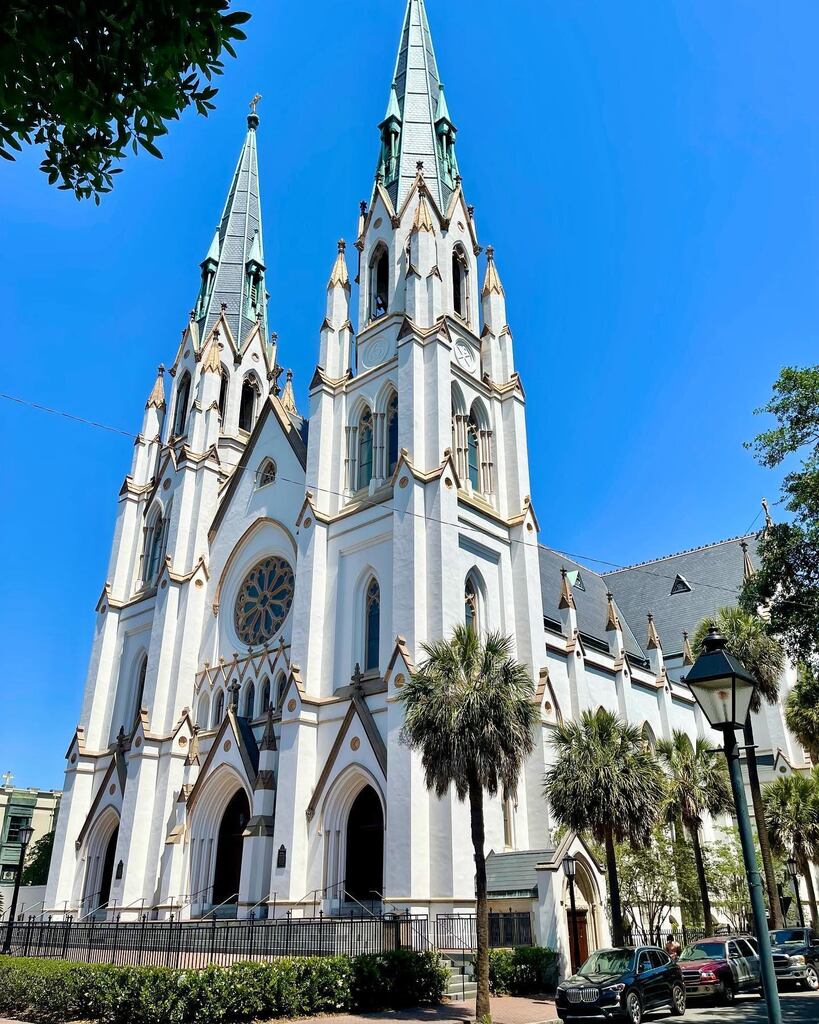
(273, 577)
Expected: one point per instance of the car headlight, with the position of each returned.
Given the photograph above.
(708, 977)
(798, 960)
(613, 989)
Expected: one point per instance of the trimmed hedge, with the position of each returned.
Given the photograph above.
(523, 970)
(55, 991)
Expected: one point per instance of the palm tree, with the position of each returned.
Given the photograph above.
(748, 639)
(605, 780)
(792, 814)
(697, 783)
(469, 709)
(802, 711)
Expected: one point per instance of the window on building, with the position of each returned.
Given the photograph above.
(156, 541)
(471, 605)
(219, 709)
(265, 695)
(247, 405)
(16, 822)
(266, 474)
(281, 686)
(365, 449)
(183, 394)
(140, 688)
(680, 585)
(473, 453)
(372, 625)
(508, 840)
(392, 434)
(459, 282)
(203, 711)
(379, 282)
(250, 700)
(223, 393)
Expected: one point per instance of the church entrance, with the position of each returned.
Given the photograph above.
(108, 869)
(365, 847)
(228, 868)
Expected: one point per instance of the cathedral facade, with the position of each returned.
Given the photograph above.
(273, 577)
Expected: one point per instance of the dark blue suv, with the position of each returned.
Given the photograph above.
(622, 984)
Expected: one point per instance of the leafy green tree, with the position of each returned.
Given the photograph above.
(697, 784)
(792, 816)
(605, 780)
(88, 80)
(38, 859)
(728, 880)
(648, 882)
(469, 710)
(685, 871)
(787, 580)
(748, 638)
(802, 711)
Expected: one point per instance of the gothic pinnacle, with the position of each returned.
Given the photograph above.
(339, 274)
(492, 282)
(156, 399)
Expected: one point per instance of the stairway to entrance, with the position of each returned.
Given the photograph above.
(462, 984)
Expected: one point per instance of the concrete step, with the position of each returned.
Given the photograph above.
(468, 991)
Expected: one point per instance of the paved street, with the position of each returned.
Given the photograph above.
(796, 1007)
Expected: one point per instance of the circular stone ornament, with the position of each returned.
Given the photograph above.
(226, 746)
(355, 743)
(291, 704)
(263, 601)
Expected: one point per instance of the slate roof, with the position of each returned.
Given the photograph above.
(513, 873)
(713, 572)
(591, 603)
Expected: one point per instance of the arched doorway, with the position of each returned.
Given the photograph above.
(365, 847)
(228, 869)
(108, 869)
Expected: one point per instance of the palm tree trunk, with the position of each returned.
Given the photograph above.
(762, 828)
(702, 880)
(678, 846)
(482, 1010)
(804, 867)
(617, 935)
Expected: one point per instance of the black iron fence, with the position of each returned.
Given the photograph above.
(195, 944)
(459, 932)
(659, 936)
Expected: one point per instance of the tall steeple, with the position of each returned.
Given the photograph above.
(233, 272)
(417, 127)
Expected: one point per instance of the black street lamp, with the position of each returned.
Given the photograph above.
(724, 689)
(24, 838)
(570, 870)
(793, 871)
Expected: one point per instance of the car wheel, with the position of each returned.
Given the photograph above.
(634, 1008)
(728, 994)
(812, 977)
(678, 1000)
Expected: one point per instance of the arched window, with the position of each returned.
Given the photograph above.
(266, 473)
(155, 542)
(183, 394)
(281, 685)
(247, 404)
(392, 434)
(508, 837)
(471, 605)
(372, 625)
(203, 711)
(219, 709)
(473, 453)
(459, 283)
(140, 688)
(365, 449)
(265, 695)
(250, 700)
(379, 282)
(223, 393)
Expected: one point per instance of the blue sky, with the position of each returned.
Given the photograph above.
(646, 172)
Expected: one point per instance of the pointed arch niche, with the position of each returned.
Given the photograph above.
(475, 601)
(460, 283)
(180, 413)
(379, 282)
(101, 848)
(352, 822)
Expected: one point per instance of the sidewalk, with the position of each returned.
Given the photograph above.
(505, 1010)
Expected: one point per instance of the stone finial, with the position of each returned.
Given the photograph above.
(423, 215)
(492, 282)
(233, 690)
(566, 594)
(747, 564)
(288, 398)
(688, 654)
(612, 620)
(339, 274)
(275, 373)
(268, 741)
(212, 363)
(768, 521)
(653, 636)
(156, 399)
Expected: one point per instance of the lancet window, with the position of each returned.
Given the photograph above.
(372, 625)
(183, 394)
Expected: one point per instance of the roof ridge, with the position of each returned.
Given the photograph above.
(676, 554)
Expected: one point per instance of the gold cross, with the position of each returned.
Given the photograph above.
(254, 101)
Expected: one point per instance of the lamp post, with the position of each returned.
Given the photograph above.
(724, 689)
(793, 871)
(25, 834)
(570, 870)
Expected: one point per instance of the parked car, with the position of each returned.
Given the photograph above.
(801, 948)
(622, 984)
(719, 968)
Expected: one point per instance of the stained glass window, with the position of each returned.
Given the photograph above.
(365, 450)
(250, 700)
(183, 393)
(392, 434)
(267, 473)
(265, 695)
(372, 625)
(473, 454)
(264, 600)
(219, 711)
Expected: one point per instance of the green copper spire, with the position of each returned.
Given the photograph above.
(233, 270)
(417, 128)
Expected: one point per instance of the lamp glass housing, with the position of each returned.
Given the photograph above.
(25, 834)
(792, 866)
(569, 866)
(721, 685)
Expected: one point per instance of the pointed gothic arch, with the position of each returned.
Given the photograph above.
(251, 389)
(460, 282)
(250, 700)
(218, 709)
(100, 850)
(475, 601)
(224, 384)
(203, 711)
(648, 735)
(379, 281)
(180, 414)
(139, 689)
(265, 695)
(364, 450)
(266, 473)
(479, 448)
(281, 686)
(367, 841)
(372, 625)
(156, 541)
(391, 431)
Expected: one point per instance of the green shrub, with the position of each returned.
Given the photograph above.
(55, 992)
(523, 970)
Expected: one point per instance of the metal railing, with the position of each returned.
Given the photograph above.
(458, 932)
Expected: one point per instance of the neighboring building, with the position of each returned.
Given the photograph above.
(270, 586)
(19, 807)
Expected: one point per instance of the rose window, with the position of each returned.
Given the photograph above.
(264, 600)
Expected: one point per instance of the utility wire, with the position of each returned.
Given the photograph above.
(579, 558)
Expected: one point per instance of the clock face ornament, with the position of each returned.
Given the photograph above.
(465, 356)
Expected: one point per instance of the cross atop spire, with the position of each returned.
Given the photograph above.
(417, 125)
(233, 270)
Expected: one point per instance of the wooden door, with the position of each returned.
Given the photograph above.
(578, 919)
